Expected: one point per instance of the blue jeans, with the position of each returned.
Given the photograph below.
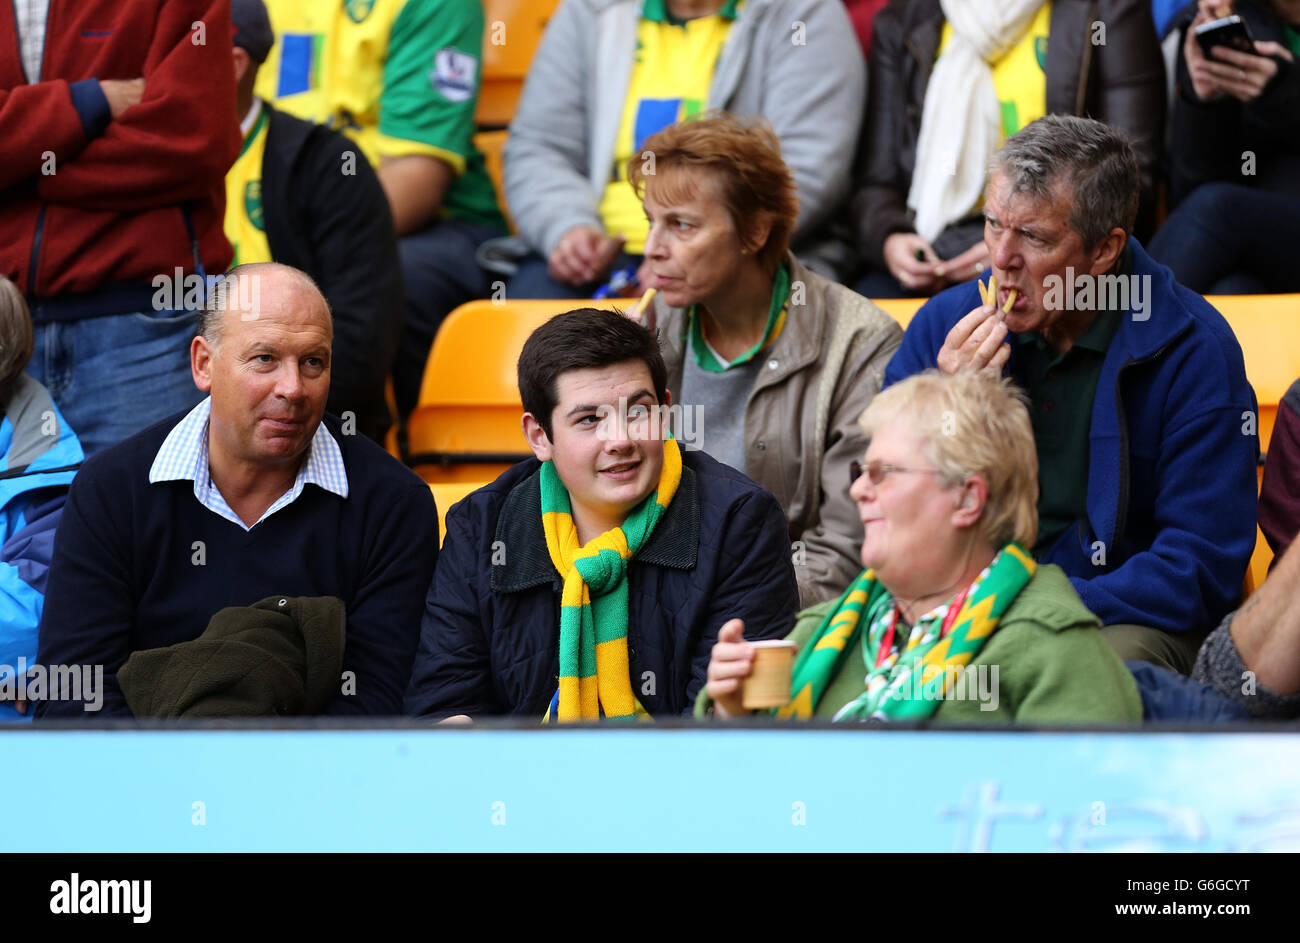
(115, 375)
(1229, 239)
(534, 281)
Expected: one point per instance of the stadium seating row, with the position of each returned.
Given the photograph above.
(465, 430)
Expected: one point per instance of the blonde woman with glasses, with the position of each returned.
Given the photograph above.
(952, 619)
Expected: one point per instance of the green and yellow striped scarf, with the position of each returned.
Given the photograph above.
(890, 686)
(594, 674)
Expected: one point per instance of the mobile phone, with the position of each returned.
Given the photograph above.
(1228, 31)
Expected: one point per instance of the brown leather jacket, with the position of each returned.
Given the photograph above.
(1121, 82)
(801, 419)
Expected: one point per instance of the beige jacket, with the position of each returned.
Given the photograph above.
(801, 420)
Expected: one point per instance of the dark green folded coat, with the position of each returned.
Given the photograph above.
(279, 656)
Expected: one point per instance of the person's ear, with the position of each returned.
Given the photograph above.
(1107, 251)
(760, 227)
(201, 357)
(537, 439)
(974, 495)
(243, 62)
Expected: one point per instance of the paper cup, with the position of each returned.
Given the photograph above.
(768, 685)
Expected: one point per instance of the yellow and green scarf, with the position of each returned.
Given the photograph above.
(594, 674)
(892, 691)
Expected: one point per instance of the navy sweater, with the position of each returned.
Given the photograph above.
(139, 565)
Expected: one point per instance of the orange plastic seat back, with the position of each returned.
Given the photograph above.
(512, 30)
(466, 424)
(491, 144)
(901, 310)
(1268, 329)
(445, 494)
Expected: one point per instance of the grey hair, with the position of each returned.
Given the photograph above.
(1095, 161)
(212, 315)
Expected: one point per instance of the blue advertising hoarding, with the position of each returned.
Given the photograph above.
(657, 789)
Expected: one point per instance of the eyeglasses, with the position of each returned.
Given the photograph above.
(877, 471)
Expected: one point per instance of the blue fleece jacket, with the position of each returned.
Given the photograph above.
(39, 455)
(1173, 449)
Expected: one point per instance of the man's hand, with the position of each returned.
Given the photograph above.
(914, 274)
(976, 342)
(583, 255)
(457, 720)
(966, 266)
(121, 94)
(730, 663)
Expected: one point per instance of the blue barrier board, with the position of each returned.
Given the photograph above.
(685, 789)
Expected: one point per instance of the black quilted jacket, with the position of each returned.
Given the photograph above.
(490, 637)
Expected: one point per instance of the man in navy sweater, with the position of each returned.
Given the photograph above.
(254, 492)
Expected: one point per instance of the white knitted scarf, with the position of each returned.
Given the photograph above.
(961, 117)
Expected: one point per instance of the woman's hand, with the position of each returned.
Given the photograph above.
(914, 274)
(1230, 72)
(964, 267)
(1240, 74)
(583, 255)
(730, 663)
(1204, 84)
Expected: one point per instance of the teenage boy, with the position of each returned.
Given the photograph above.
(591, 581)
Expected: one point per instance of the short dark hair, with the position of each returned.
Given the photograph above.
(578, 340)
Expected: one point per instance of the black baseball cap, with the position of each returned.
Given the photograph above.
(252, 28)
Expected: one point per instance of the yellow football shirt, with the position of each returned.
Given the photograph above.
(244, 224)
(1020, 76)
(671, 75)
(399, 77)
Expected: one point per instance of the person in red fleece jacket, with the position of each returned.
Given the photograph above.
(115, 137)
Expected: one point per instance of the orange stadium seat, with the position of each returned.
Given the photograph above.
(447, 493)
(1268, 329)
(512, 30)
(491, 145)
(465, 427)
(900, 309)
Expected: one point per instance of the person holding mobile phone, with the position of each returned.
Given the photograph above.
(1227, 70)
(1234, 172)
(949, 81)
